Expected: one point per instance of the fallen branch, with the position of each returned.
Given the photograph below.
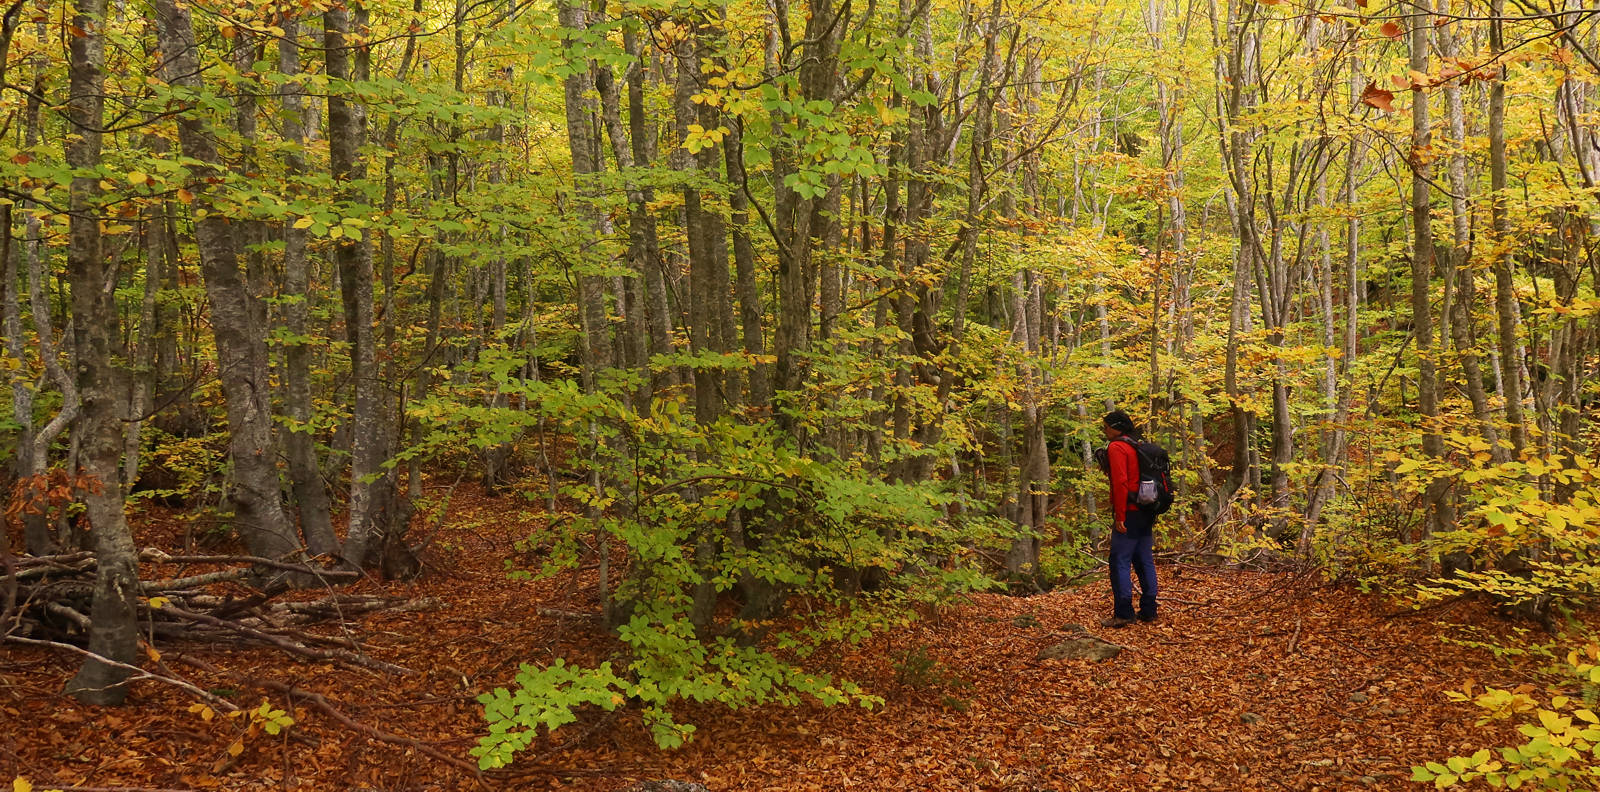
(138, 673)
(321, 704)
(195, 581)
(289, 645)
(70, 788)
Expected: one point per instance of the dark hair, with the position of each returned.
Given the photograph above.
(1119, 420)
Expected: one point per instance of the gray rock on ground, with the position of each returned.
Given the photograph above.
(1081, 646)
(666, 785)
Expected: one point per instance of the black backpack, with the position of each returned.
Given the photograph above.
(1155, 468)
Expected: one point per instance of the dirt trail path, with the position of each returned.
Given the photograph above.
(1248, 681)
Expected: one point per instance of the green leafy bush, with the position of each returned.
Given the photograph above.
(1562, 750)
(737, 556)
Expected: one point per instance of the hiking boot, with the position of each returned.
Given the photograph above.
(1147, 619)
(1115, 621)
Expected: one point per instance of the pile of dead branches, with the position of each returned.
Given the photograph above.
(228, 598)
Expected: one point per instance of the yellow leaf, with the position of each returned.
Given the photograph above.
(236, 748)
(137, 179)
(304, 222)
(21, 785)
(159, 602)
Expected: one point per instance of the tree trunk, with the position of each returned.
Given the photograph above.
(114, 629)
(1505, 296)
(1422, 267)
(299, 439)
(646, 253)
(1458, 269)
(241, 347)
(347, 132)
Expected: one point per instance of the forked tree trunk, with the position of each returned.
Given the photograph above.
(241, 346)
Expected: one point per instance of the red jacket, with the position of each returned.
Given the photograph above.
(1124, 463)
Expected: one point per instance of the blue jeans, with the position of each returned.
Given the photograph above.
(1135, 549)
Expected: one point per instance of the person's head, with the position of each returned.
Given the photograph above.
(1117, 423)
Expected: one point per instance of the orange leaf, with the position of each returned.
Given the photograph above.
(1373, 96)
(1392, 30)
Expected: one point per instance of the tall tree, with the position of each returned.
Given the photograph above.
(347, 133)
(114, 629)
(305, 475)
(241, 347)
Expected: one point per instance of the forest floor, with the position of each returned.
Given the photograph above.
(1248, 681)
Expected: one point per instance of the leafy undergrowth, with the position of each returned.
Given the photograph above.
(1249, 681)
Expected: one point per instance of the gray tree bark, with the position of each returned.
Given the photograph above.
(241, 346)
(1505, 295)
(114, 630)
(347, 131)
(1422, 267)
(305, 475)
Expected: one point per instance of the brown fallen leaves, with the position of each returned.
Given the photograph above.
(1248, 681)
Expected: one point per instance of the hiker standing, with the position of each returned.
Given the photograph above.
(1133, 527)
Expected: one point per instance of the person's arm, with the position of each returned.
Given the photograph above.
(1124, 477)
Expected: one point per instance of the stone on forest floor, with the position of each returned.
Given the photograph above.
(667, 785)
(1081, 647)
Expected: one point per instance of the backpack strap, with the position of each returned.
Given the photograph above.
(1138, 456)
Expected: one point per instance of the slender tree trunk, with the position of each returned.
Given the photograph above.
(299, 441)
(1505, 296)
(586, 161)
(1335, 452)
(646, 253)
(1237, 147)
(1459, 269)
(596, 351)
(643, 247)
(34, 442)
(347, 131)
(759, 388)
(1422, 268)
